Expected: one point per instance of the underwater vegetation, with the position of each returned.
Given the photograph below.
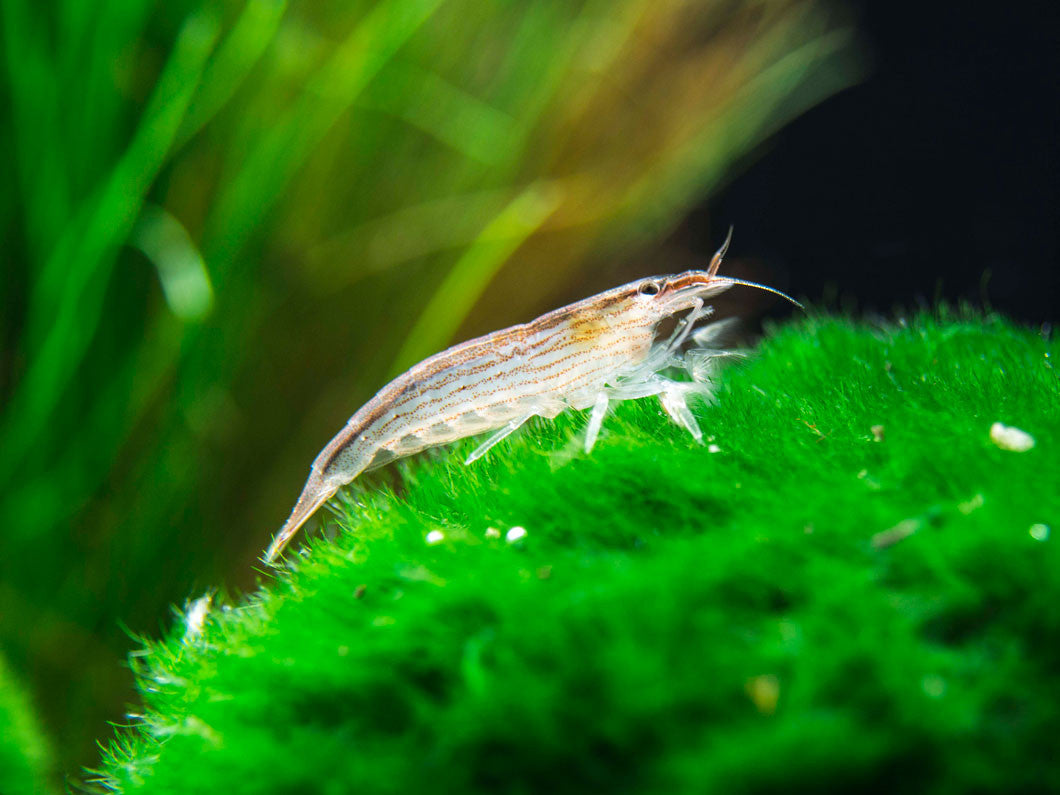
(851, 585)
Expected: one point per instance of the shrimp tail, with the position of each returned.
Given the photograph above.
(317, 491)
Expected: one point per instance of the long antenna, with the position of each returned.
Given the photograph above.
(715, 263)
(785, 296)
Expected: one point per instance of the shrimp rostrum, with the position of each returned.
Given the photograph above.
(585, 355)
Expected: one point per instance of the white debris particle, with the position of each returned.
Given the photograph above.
(197, 727)
(974, 504)
(517, 533)
(713, 448)
(493, 532)
(1039, 532)
(892, 535)
(435, 537)
(195, 617)
(1008, 437)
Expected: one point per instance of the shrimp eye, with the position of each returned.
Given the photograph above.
(649, 288)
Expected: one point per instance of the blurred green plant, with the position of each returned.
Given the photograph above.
(223, 216)
(25, 758)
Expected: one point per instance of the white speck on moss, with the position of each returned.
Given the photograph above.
(892, 535)
(974, 504)
(195, 726)
(435, 537)
(1039, 532)
(713, 448)
(195, 617)
(493, 532)
(517, 533)
(1011, 438)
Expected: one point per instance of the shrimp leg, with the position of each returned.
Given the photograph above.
(681, 332)
(710, 335)
(672, 396)
(596, 419)
(674, 403)
(497, 437)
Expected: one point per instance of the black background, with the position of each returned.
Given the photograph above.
(933, 178)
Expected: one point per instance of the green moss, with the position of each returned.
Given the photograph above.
(25, 759)
(677, 618)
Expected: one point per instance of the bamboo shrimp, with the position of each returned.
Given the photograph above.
(586, 355)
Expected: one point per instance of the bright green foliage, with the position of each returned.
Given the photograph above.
(678, 618)
(25, 759)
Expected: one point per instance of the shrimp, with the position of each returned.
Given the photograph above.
(585, 355)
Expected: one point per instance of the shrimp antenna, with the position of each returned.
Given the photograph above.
(785, 296)
(715, 261)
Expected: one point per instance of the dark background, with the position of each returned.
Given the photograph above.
(933, 178)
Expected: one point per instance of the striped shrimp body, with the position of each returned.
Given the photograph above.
(584, 355)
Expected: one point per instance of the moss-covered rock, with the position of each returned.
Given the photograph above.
(849, 587)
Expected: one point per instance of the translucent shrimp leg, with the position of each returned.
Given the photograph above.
(674, 403)
(497, 437)
(596, 419)
(685, 325)
(709, 335)
(672, 396)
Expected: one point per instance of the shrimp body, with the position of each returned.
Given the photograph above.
(589, 353)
